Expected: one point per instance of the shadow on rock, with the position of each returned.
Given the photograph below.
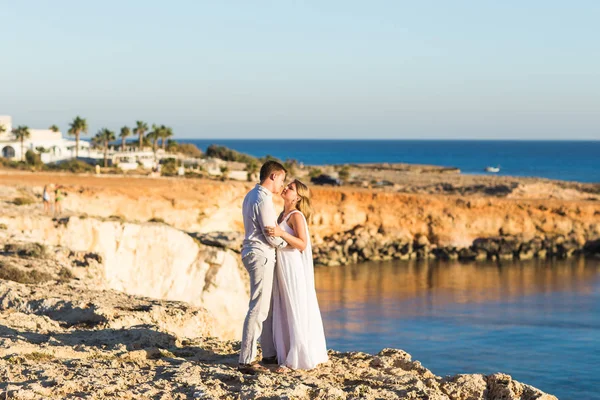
(133, 338)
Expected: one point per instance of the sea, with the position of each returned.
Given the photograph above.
(538, 321)
(563, 160)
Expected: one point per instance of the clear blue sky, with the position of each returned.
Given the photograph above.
(307, 69)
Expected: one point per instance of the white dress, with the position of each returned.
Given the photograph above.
(297, 326)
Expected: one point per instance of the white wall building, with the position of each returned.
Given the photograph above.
(55, 147)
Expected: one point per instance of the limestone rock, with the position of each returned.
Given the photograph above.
(154, 260)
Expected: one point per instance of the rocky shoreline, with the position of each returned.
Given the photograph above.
(62, 338)
(123, 295)
(361, 244)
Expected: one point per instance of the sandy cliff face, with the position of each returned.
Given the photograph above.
(154, 260)
(527, 209)
(453, 220)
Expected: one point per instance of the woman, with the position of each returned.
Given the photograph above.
(46, 198)
(297, 326)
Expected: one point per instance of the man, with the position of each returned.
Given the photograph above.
(258, 256)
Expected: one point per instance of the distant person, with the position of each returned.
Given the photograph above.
(46, 198)
(97, 169)
(258, 257)
(58, 198)
(298, 331)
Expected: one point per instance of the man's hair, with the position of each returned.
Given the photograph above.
(269, 168)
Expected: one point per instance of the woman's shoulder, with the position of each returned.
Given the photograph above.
(297, 216)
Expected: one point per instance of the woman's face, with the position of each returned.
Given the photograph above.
(289, 193)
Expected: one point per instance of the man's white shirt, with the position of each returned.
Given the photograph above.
(258, 212)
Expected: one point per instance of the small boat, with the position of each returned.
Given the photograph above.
(492, 169)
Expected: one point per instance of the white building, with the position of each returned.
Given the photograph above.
(52, 144)
(129, 160)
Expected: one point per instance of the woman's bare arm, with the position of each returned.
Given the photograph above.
(298, 240)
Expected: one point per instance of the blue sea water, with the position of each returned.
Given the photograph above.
(564, 160)
(537, 321)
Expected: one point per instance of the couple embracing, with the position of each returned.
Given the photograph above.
(283, 311)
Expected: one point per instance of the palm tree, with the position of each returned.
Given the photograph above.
(105, 136)
(75, 128)
(155, 135)
(54, 128)
(125, 132)
(21, 133)
(95, 141)
(140, 129)
(166, 133)
(2, 129)
(171, 146)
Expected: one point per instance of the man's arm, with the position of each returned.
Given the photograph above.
(266, 217)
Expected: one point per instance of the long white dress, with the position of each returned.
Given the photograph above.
(297, 326)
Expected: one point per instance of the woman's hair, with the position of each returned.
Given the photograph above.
(303, 205)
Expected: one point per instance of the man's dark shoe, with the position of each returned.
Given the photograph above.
(270, 360)
(251, 369)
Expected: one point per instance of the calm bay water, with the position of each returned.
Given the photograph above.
(537, 321)
(565, 160)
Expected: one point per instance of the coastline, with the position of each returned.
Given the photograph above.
(70, 334)
(189, 229)
(518, 158)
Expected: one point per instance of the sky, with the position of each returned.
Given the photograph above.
(286, 69)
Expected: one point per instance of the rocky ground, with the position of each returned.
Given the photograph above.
(75, 322)
(62, 338)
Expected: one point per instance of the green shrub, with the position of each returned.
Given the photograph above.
(172, 146)
(3, 227)
(344, 173)
(252, 168)
(65, 274)
(4, 162)
(189, 149)
(23, 201)
(194, 174)
(314, 172)
(39, 357)
(168, 167)
(32, 250)
(10, 273)
(290, 165)
(223, 153)
(224, 171)
(33, 159)
(72, 165)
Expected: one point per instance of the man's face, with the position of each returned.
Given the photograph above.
(279, 180)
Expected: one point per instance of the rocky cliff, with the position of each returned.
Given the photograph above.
(456, 214)
(150, 259)
(111, 305)
(525, 219)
